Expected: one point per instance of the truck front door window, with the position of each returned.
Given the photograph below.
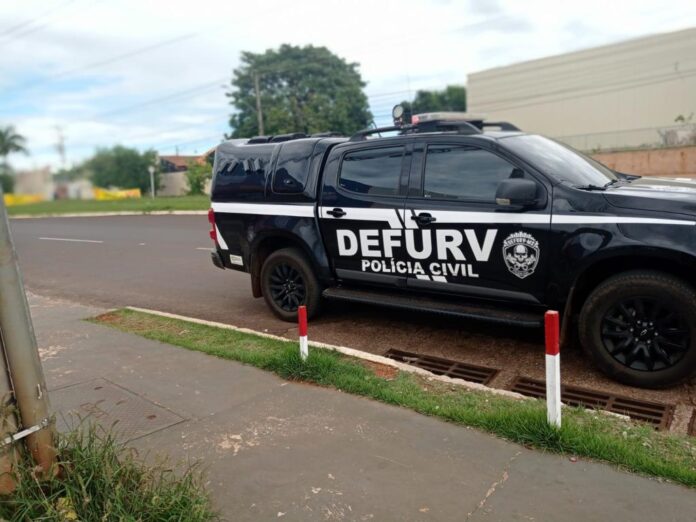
(372, 171)
(470, 246)
(464, 173)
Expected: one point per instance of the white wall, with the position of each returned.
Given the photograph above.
(176, 184)
(37, 181)
(173, 184)
(620, 93)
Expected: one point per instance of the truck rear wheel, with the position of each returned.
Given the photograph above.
(640, 328)
(288, 281)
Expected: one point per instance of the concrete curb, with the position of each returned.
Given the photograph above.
(107, 214)
(346, 351)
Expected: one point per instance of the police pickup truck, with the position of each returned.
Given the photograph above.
(446, 215)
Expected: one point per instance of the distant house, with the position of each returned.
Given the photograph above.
(173, 169)
(177, 163)
(35, 181)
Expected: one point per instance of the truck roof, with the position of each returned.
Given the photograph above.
(422, 124)
(249, 144)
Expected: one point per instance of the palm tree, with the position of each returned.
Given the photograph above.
(10, 142)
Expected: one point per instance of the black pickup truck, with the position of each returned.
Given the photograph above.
(447, 216)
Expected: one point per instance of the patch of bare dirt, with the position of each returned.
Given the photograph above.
(135, 322)
(109, 318)
(382, 370)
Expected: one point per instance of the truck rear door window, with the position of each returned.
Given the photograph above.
(464, 173)
(292, 168)
(240, 176)
(372, 171)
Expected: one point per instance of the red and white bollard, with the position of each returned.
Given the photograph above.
(302, 326)
(553, 369)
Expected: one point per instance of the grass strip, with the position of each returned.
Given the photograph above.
(144, 204)
(631, 446)
(102, 480)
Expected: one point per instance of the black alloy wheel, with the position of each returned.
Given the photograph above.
(288, 287)
(645, 334)
(639, 327)
(288, 281)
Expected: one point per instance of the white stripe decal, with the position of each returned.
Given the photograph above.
(264, 209)
(442, 216)
(365, 214)
(409, 222)
(439, 279)
(221, 240)
(453, 216)
(463, 217)
(580, 219)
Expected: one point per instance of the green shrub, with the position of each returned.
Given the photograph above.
(197, 174)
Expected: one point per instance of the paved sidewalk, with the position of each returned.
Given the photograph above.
(275, 450)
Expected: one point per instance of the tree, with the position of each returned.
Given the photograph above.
(452, 98)
(6, 182)
(197, 174)
(302, 89)
(10, 142)
(122, 167)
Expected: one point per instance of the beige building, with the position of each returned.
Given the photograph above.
(35, 182)
(616, 96)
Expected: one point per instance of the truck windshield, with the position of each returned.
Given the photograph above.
(560, 161)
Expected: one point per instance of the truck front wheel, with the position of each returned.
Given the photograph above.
(288, 281)
(640, 328)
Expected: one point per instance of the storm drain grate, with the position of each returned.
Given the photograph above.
(655, 413)
(692, 424)
(440, 366)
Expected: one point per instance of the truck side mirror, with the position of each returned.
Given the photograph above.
(516, 193)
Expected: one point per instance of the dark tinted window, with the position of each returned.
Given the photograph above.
(372, 171)
(240, 174)
(560, 161)
(458, 172)
(292, 166)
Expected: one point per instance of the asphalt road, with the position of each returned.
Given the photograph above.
(162, 262)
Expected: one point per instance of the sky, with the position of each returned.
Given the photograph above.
(153, 73)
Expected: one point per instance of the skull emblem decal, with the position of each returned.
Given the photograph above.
(521, 254)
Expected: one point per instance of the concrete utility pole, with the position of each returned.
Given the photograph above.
(259, 114)
(151, 170)
(8, 427)
(60, 146)
(22, 355)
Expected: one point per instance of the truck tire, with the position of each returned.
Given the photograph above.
(288, 281)
(640, 328)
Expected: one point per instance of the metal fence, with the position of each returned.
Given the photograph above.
(651, 138)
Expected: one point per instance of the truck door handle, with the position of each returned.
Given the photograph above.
(337, 212)
(424, 218)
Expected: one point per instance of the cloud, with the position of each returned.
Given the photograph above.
(486, 7)
(149, 53)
